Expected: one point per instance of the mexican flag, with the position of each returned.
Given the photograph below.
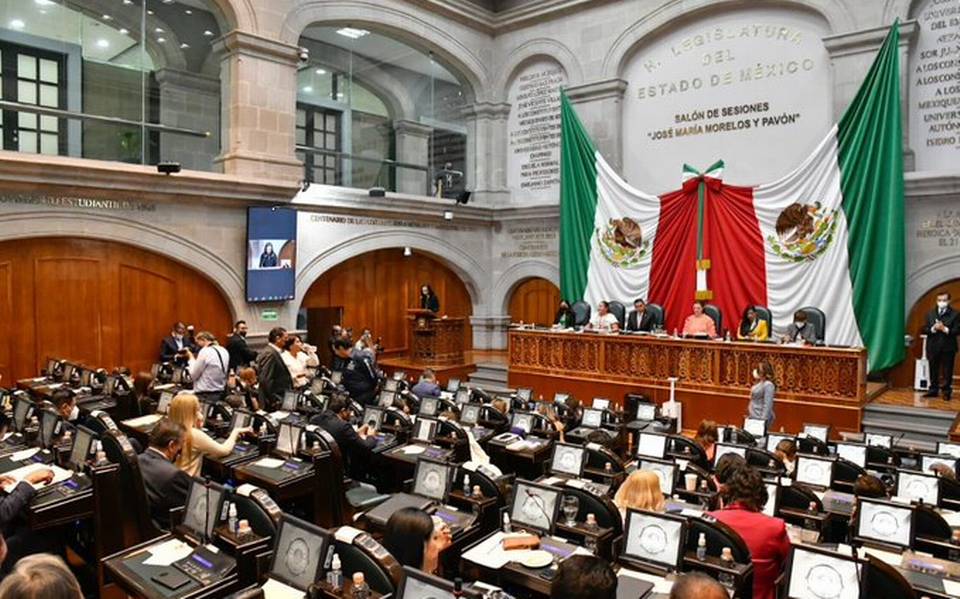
(829, 235)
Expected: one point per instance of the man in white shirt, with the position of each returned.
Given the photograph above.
(208, 369)
(603, 320)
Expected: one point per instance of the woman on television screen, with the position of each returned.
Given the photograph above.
(268, 259)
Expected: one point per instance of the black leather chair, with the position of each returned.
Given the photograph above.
(931, 532)
(765, 461)
(845, 474)
(619, 310)
(606, 512)
(763, 313)
(799, 497)
(882, 458)
(949, 494)
(812, 445)
(818, 319)
(658, 313)
(381, 571)
(349, 496)
(718, 536)
(141, 526)
(882, 581)
(260, 520)
(684, 448)
(598, 456)
(714, 312)
(581, 313)
(738, 436)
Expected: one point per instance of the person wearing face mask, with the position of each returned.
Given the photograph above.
(941, 328)
(173, 348)
(800, 331)
(761, 394)
(65, 403)
(240, 353)
(165, 484)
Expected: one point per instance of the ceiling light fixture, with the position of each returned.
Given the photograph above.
(407, 251)
(320, 72)
(184, 45)
(208, 33)
(102, 43)
(308, 89)
(158, 30)
(17, 24)
(160, 40)
(352, 32)
(124, 31)
(43, 2)
(107, 17)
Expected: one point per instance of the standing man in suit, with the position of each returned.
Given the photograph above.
(274, 375)
(166, 485)
(942, 328)
(240, 353)
(639, 319)
(173, 347)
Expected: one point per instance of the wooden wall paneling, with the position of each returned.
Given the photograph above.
(145, 307)
(67, 308)
(6, 323)
(534, 300)
(902, 374)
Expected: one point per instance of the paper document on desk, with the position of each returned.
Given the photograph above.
(167, 552)
(888, 557)
(59, 474)
(268, 463)
(951, 588)
(143, 420)
(24, 454)
(523, 444)
(489, 553)
(413, 449)
(274, 589)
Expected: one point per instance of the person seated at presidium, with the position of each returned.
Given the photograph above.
(565, 318)
(603, 320)
(584, 577)
(299, 357)
(360, 376)
(753, 327)
(640, 491)
(415, 539)
(639, 319)
(166, 485)
(800, 331)
(699, 324)
(185, 411)
(427, 385)
(745, 496)
(762, 394)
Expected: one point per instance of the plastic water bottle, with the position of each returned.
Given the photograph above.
(360, 588)
(466, 485)
(335, 575)
(506, 523)
(702, 547)
(810, 523)
(954, 553)
(727, 579)
(232, 518)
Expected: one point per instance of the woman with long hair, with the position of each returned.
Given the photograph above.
(753, 327)
(706, 438)
(761, 394)
(641, 491)
(414, 539)
(185, 410)
(564, 318)
(428, 299)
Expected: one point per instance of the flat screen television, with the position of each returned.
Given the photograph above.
(271, 254)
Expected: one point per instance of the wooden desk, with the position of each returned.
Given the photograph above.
(435, 340)
(528, 463)
(815, 384)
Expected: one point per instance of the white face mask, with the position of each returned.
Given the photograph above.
(756, 373)
(799, 325)
(942, 304)
(74, 413)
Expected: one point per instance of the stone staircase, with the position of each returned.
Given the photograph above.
(920, 427)
(490, 376)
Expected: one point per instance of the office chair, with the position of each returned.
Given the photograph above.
(681, 447)
(718, 536)
(882, 581)
(799, 497)
(818, 319)
(601, 506)
(932, 533)
(619, 310)
(845, 474)
(658, 313)
(714, 312)
(765, 460)
(581, 313)
(764, 314)
(812, 445)
(381, 571)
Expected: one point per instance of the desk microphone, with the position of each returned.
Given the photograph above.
(206, 512)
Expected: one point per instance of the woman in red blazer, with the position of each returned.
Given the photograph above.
(766, 537)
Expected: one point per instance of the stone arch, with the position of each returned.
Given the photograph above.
(459, 260)
(925, 278)
(397, 20)
(59, 223)
(530, 51)
(238, 14)
(837, 16)
(512, 277)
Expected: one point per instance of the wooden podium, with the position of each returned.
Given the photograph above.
(435, 340)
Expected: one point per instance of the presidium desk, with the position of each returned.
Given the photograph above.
(825, 385)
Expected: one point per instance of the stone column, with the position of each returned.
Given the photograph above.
(190, 101)
(598, 105)
(853, 53)
(487, 152)
(413, 147)
(258, 114)
(490, 332)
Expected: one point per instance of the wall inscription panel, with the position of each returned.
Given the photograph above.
(731, 86)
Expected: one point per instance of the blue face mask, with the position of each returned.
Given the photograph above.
(799, 325)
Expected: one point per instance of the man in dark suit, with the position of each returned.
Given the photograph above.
(65, 402)
(356, 446)
(173, 347)
(240, 353)
(360, 377)
(639, 319)
(275, 379)
(166, 485)
(941, 328)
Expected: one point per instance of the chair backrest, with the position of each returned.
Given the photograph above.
(487, 485)
(882, 455)
(364, 554)
(762, 459)
(118, 450)
(658, 314)
(882, 581)
(845, 474)
(930, 524)
(251, 511)
(581, 313)
(606, 512)
(618, 310)
(763, 313)
(687, 449)
(798, 497)
(718, 536)
(817, 318)
(332, 505)
(599, 456)
(714, 312)
(812, 445)
(739, 436)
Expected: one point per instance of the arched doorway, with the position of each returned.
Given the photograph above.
(375, 290)
(100, 303)
(534, 301)
(902, 375)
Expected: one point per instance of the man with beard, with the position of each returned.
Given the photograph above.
(240, 353)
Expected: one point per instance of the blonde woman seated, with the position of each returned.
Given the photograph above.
(185, 410)
(641, 491)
